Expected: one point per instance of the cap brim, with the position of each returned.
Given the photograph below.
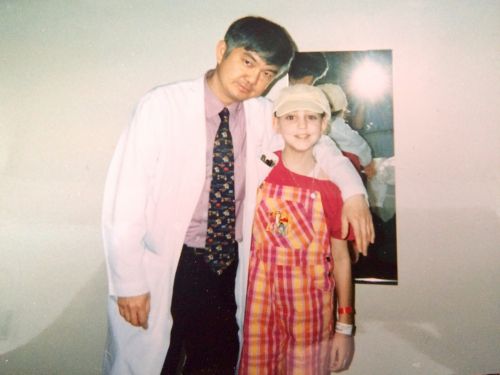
(292, 106)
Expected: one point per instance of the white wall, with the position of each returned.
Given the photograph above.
(70, 74)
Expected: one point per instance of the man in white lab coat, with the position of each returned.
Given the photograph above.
(155, 209)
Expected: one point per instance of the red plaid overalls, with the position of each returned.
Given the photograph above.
(289, 309)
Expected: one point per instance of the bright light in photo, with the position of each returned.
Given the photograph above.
(369, 81)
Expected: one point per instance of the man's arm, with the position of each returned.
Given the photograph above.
(338, 168)
(124, 218)
(349, 140)
(355, 211)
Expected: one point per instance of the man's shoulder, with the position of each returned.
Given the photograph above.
(260, 100)
(259, 104)
(178, 87)
(172, 94)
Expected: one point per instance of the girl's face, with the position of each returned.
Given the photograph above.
(300, 129)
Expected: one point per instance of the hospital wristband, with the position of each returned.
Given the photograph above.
(343, 328)
(345, 310)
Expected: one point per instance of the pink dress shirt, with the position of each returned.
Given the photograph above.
(197, 230)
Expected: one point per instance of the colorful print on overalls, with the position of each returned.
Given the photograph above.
(289, 308)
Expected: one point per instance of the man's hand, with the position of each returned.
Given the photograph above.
(357, 214)
(135, 310)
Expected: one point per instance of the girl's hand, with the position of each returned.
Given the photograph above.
(342, 352)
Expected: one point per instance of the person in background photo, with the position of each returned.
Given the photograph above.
(347, 139)
(307, 68)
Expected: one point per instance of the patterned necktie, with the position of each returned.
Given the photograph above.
(220, 243)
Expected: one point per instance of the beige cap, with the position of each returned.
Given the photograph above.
(301, 97)
(335, 95)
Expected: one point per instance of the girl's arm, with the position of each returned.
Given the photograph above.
(343, 345)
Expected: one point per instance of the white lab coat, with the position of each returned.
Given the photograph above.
(154, 181)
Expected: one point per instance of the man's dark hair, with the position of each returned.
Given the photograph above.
(268, 39)
(308, 64)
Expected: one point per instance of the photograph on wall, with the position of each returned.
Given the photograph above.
(358, 85)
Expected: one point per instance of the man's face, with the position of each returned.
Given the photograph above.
(240, 75)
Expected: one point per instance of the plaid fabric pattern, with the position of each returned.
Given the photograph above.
(289, 311)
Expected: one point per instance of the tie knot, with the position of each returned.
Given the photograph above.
(224, 115)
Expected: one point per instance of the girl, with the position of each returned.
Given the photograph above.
(298, 258)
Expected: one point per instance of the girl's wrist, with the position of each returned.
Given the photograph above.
(348, 310)
(345, 314)
(344, 328)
